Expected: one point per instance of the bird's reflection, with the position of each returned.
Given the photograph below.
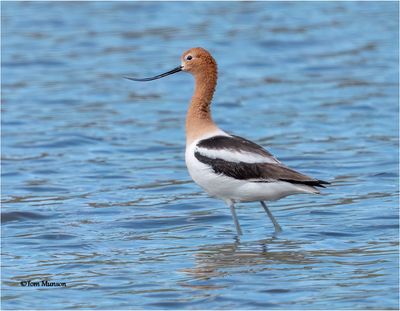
(247, 257)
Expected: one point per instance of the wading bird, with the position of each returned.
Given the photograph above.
(226, 166)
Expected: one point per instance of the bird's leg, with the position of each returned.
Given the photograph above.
(232, 207)
(276, 225)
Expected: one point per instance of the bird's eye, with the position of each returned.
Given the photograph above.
(189, 57)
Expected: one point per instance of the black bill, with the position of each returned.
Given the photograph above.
(175, 70)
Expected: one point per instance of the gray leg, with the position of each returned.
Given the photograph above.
(232, 207)
(276, 225)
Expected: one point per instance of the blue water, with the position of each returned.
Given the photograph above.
(95, 191)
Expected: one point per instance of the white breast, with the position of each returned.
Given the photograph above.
(202, 174)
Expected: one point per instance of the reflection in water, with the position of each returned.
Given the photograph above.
(213, 261)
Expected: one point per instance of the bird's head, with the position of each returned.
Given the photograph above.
(195, 60)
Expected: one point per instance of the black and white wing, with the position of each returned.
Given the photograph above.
(239, 158)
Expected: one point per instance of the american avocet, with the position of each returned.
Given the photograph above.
(226, 166)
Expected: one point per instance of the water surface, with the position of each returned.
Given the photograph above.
(95, 192)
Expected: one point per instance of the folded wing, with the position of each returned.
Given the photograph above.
(242, 159)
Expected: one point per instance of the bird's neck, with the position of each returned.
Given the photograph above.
(198, 118)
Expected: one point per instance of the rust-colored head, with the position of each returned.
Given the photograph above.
(198, 60)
